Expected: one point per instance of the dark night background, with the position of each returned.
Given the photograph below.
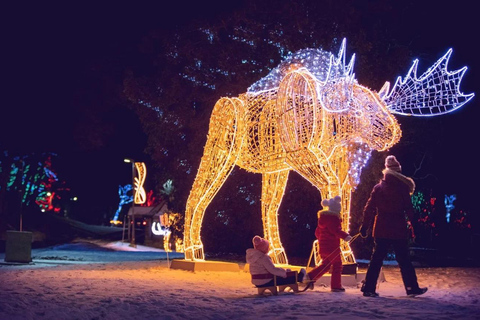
(64, 65)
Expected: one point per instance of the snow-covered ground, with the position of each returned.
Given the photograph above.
(78, 281)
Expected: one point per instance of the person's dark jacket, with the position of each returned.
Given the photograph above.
(390, 204)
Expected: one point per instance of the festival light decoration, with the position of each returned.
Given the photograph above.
(449, 205)
(159, 230)
(179, 245)
(36, 182)
(310, 115)
(162, 228)
(151, 199)
(124, 199)
(44, 201)
(140, 194)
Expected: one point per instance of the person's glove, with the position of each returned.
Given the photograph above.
(348, 238)
(363, 232)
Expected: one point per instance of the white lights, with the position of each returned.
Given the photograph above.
(321, 64)
(437, 91)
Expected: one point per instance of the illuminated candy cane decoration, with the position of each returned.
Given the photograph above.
(140, 195)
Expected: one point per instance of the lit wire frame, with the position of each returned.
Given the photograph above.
(140, 195)
(308, 115)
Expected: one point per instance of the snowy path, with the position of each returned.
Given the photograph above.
(150, 290)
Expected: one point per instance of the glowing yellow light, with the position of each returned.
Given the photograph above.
(179, 245)
(166, 242)
(308, 115)
(140, 194)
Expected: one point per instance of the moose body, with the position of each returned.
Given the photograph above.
(308, 115)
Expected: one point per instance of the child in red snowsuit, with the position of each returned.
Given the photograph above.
(329, 232)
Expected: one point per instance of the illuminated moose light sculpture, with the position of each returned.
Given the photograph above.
(310, 115)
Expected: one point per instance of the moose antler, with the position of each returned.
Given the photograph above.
(347, 70)
(436, 92)
(322, 64)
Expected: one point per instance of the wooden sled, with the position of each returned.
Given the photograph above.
(275, 289)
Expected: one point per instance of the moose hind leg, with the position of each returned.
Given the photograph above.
(273, 188)
(218, 160)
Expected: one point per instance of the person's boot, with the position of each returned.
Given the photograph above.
(366, 293)
(413, 292)
(308, 285)
(370, 294)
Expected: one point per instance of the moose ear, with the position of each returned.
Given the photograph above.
(384, 91)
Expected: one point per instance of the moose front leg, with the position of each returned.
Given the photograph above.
(218, 160)
(273, 188)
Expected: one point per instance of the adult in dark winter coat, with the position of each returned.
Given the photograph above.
(390, 207)
(329, 232)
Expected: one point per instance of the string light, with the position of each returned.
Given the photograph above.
(124, 199)
(158, 230)
(449, 205)
(140, 194)
(437, 91)
(308, 115)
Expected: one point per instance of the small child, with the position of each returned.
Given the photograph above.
(329, 232)
(262, 268)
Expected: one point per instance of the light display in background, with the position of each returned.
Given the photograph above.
(162, 228)
(310, 115)
(151, 199)
(449, 205)
(37, 183)
(124, 199)
(140, 194)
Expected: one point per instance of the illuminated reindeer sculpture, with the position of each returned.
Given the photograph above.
(310, 115)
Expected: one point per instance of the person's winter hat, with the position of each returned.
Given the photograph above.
(392, 164)
(260, 244)
(333, 204)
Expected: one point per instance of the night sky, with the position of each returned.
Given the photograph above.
(54, 54)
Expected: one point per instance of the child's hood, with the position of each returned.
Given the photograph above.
(253, 255)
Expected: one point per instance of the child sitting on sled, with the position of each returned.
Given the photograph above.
(262, 268)
(329, 232)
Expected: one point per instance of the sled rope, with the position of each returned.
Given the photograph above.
(331, 254)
